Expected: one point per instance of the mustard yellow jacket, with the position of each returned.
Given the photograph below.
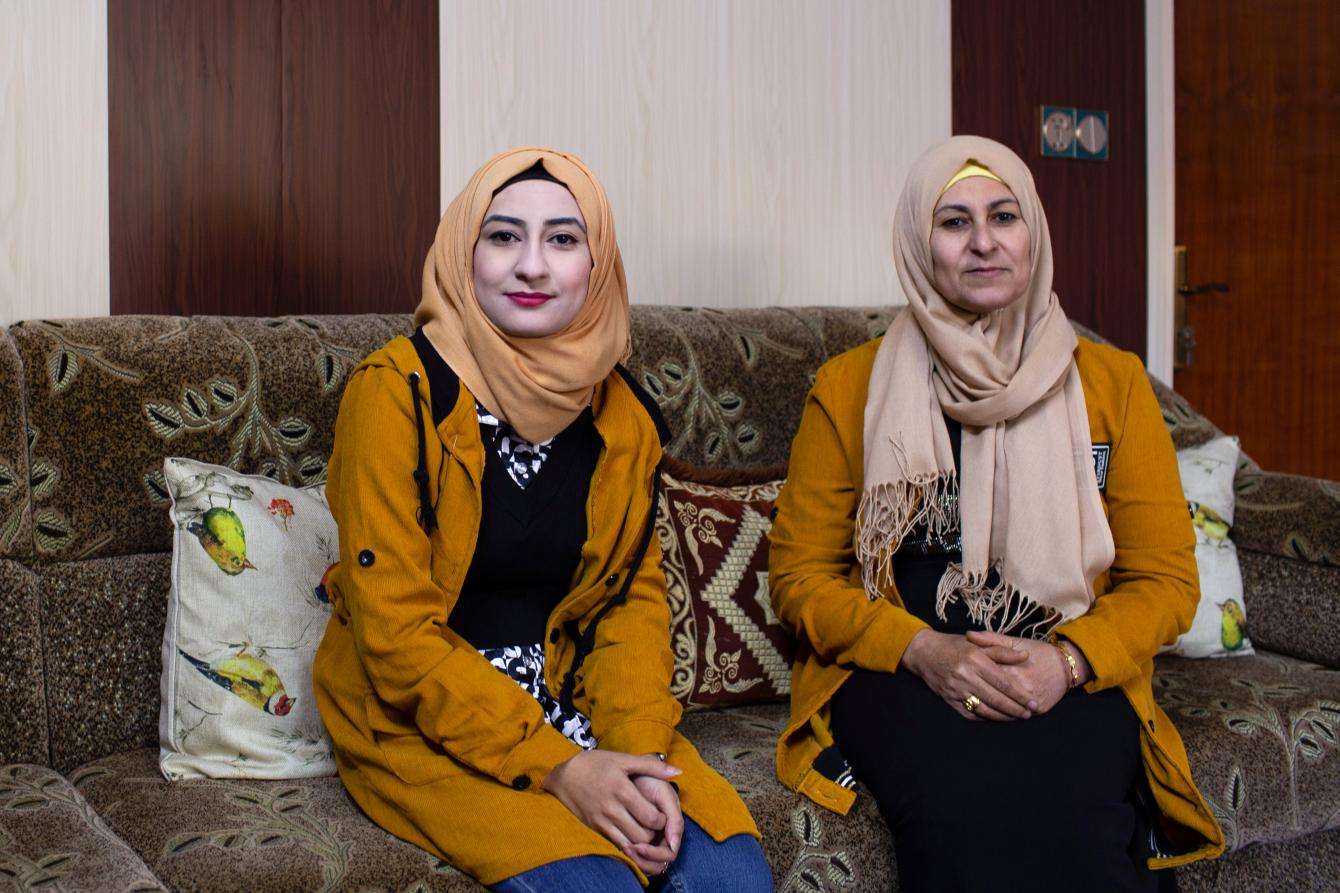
(1145, 600)
(434, 743)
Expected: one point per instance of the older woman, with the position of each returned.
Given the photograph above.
(496, 675)
(981, 545)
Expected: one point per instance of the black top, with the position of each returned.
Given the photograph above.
(530, 540)
(921, 561)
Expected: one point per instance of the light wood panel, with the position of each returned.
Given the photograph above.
(53, 159)
(753, 150)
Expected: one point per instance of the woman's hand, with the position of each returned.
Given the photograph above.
(598, 786)
(655, 857)
(954, 668)
(1045, 676)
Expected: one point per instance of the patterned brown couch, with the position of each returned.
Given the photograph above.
(89, 408)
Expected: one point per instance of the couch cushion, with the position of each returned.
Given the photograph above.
(103, 621)
(731, 383)
(255, 835)
(287, 835)
(52, 839)
(808, 847)
(23, 709)
(290, 835)
(1292, 605)
(1302, 863)
(16, 534)
(108, 398)
(1263, 735)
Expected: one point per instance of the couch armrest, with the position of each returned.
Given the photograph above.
(1292, 606)
(1288, 515)
(1287, 530)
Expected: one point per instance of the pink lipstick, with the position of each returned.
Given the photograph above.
(528, 298)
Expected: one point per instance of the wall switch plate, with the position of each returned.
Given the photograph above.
(1091, 135)
(1068, 132)
(1058, 131)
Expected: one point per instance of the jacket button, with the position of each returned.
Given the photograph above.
(366, 558)
(521, 782)
(553, 636)
(611, 579)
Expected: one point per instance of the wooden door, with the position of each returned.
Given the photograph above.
(1258, 194)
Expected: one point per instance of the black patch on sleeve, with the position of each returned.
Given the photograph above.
(1102, 458)
(443, 384)
(648, 403)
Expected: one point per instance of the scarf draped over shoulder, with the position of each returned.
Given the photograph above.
(1027, 502)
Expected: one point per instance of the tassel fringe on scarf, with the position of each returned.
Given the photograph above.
(889, 512)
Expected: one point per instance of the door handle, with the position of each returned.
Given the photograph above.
(1189, 290)
(1184, 337)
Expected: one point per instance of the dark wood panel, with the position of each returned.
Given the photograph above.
(1258, 147)
(361, 159)
(194, 155)
(1010, 58)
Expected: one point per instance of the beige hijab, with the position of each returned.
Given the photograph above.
(1027, 497)
(537, 385)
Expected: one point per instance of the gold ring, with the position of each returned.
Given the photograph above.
(971, 703)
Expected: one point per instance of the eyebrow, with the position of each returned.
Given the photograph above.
(566, 221)
(518, 222)
(965, 210)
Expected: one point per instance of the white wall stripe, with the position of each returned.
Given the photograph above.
(54, 246)
(1161, 152)
(753, 150)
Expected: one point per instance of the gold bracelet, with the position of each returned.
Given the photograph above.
(1069, 658)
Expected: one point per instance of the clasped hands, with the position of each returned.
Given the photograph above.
(1010, 678)
(628, 799)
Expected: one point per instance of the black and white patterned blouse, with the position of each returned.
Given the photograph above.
(524, 664)
(521, 457)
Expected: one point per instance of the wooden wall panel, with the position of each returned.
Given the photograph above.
(360, 192)
(194, 155)
(271, 156)
(1010, 58)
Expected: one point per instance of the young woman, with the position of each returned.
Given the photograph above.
(496, 675)
(982, 545)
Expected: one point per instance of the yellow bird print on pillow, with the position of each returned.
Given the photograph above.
(224, 539)
(1208, 522)
(1232, 624)
(249, 677)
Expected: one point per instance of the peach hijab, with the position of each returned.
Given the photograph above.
(537, 385)
(1026, 498)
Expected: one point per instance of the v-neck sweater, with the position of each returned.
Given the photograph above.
(530, 539)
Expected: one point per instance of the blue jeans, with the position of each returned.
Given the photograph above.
(736, 865)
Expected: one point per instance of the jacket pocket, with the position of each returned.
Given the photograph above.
(413, 759)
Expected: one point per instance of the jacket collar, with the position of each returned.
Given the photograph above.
(619, 402)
